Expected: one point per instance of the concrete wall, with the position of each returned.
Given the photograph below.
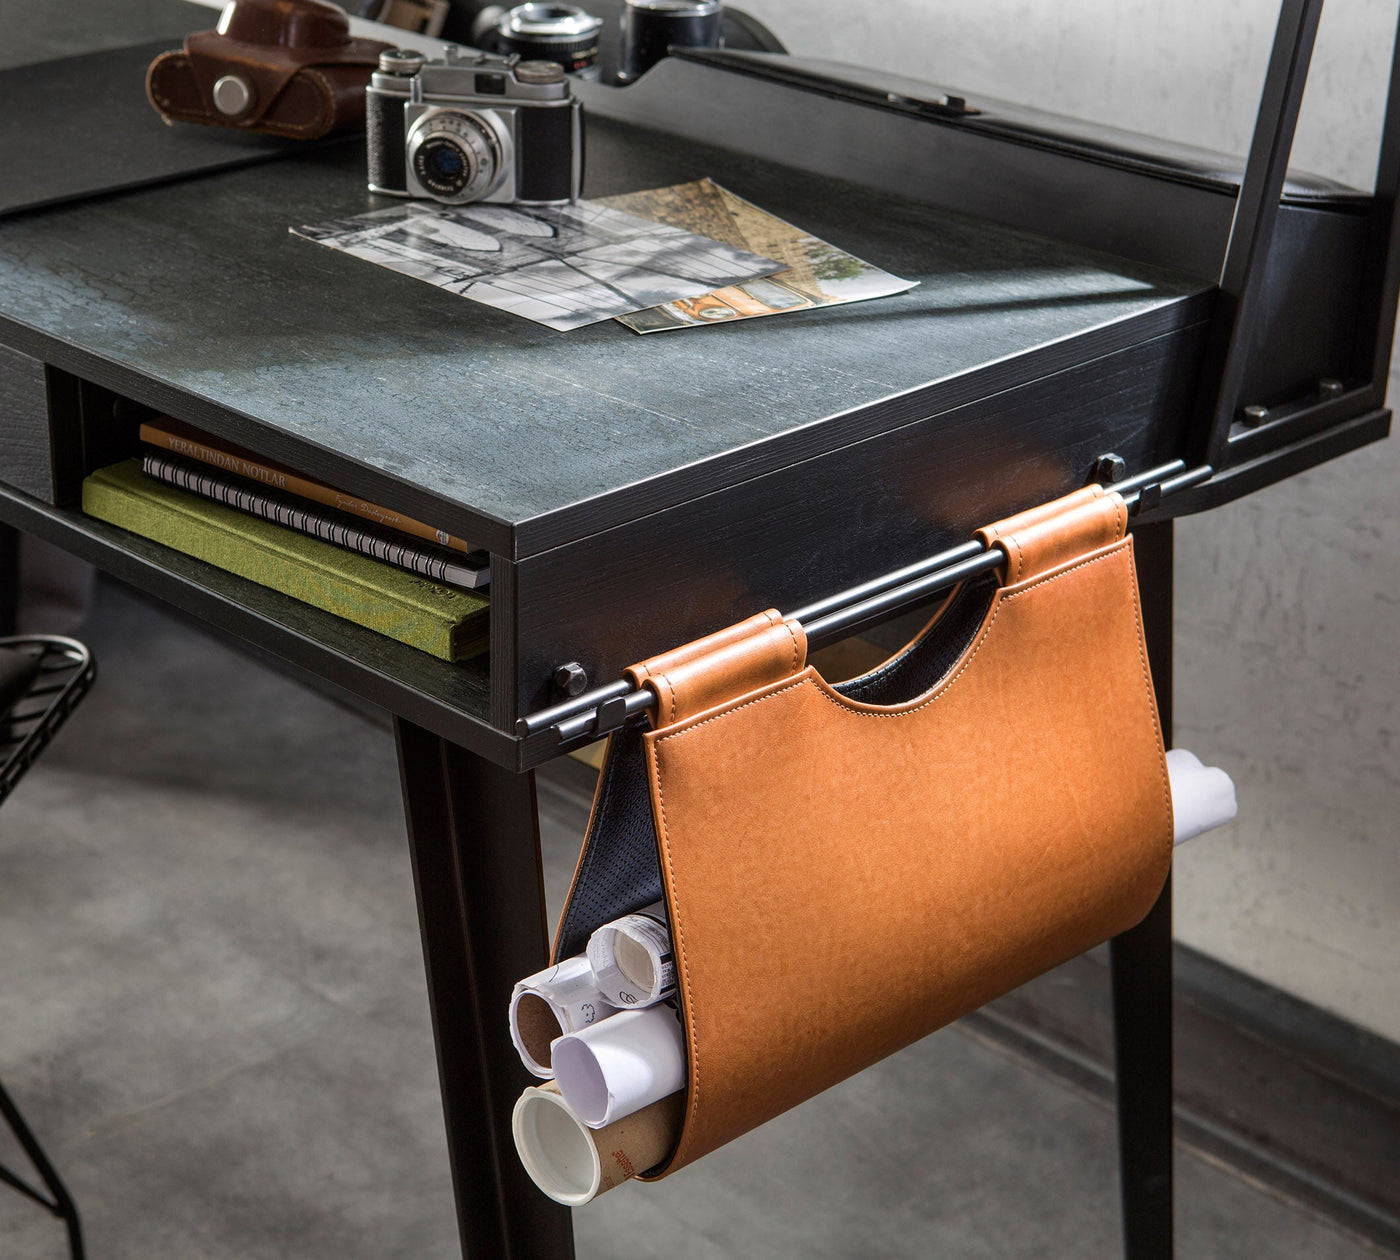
(1288, 621)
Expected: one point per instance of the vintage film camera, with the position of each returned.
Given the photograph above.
(473, 127)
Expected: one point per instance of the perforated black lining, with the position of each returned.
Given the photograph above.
(929, 658)
(621, 869)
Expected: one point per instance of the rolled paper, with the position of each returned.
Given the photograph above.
(558, 1000)
(1203, 797)
(632, 960)
(617, 1067)
(572, 1163)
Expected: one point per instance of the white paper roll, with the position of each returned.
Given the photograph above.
(558, 1000)
(1203, 797)
(610, 1070)
(572, 1163)
(632, 960)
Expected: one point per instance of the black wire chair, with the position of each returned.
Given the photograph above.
(57, 675)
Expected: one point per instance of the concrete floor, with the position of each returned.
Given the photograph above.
(212, 1010)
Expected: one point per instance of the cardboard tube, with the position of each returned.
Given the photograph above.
(632, 960)
(572, 1163)
(617, 1067)
(1203, 797)
(558, 1000)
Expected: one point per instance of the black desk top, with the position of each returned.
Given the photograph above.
(193, 296)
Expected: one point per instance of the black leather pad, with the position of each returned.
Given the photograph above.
(81, 126)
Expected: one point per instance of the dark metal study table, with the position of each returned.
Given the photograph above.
(634, 492)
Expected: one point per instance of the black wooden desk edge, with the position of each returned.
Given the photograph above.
(576, 521)
(308, 457)
(451, 700)
(842, 429)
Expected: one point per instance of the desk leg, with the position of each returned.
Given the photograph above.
(474, 837)
(1141, 961)
(9, 578)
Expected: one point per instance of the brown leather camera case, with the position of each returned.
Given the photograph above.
(302, 74)
(848, 869)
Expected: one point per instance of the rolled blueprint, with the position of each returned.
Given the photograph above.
(572, 1163)
(612, 1069)
(1203, 797)
(558, 1000)
(632, 960)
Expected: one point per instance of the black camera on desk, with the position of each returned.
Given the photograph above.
(473, 127)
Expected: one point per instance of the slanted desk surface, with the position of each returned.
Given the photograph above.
(606, 472)
(195, 296)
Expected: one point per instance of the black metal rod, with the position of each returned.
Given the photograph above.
(589, 701)
(542, 719)
(597, 712)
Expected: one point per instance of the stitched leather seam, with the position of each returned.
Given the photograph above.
(1012, 541)
(793, 636)
(872, 679)
(796, 682)
(944, 687)
(1149, 695)
(668, 701)
(693, 1106)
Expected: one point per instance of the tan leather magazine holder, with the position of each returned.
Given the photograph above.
(849, 867)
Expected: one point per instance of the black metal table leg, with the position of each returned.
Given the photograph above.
(61, 1202)
(9, 578)
(474, 836)
(1141, 961)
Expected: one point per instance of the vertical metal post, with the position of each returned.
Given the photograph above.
(1383, 263)
(1246, 260)
(474, 837)
(1141, 963)
(9, 578)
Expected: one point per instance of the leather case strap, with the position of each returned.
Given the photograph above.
(306, 76)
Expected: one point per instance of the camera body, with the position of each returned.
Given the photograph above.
(473, 127)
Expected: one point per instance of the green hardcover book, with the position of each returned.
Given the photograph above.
(442, 620)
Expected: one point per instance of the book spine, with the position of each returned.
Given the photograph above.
(282, 511)
(448, 623)
(155, 434)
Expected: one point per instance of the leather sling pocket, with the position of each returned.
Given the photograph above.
(848, 868)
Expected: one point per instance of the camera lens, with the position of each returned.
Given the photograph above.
(454, 156)
(560, 33)
(444, 166)
(651, 28)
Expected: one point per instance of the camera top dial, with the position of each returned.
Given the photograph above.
(455, 156)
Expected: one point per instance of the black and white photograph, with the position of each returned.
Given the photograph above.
(561, 266)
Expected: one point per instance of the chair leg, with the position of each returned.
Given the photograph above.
(61, 1205)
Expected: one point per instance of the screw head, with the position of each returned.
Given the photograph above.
(570, 678)
(1110, 468)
